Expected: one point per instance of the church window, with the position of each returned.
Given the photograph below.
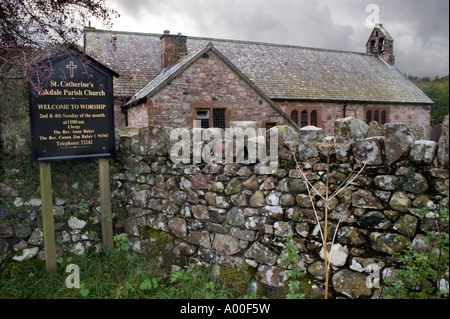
(304, 119)
(294, 116)
(211, 118)
(368, 117)
(203, 117)
(375, 116)
(379, 115)
(383, 117)
(219, 118)
(314, 118)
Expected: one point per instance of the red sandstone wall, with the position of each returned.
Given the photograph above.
(208, 83)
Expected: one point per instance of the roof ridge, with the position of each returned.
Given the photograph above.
(281, 45)
(275, 45)
(91, 29)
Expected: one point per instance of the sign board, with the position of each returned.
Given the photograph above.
(72, 109)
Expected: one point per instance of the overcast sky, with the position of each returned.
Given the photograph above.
(420, 28)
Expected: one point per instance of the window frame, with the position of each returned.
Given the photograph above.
(210, 108)
(309, 111)
(379, 112)
(294, 116)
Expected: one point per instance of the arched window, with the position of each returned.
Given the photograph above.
(294, 116)
(383, 117)
(368, 117)
(314, 118)
(373, 46)
(379, 115)
(375, 116)
(381, 46)
(304, 119)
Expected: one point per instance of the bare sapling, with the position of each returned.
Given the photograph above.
(328, 148)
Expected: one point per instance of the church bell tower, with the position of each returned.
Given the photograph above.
(381, 44)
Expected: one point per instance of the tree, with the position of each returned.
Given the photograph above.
(38, 23)
(438, 91)
(28, 25)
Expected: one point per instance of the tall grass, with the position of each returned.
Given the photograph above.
(118, 274)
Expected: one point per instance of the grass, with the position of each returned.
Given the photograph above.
(118, 274)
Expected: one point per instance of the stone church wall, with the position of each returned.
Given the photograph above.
(206, 84)
(410, 115)
(235, 216)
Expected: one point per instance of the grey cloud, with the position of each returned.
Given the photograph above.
(420, 28)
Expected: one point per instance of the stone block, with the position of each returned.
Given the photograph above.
(423, 152)
(397, 142)
(351, 284)
(226, 244)
(309, 137)
(369, 150)
(400, 202)
(261, 254)
(271, 276)
(347, 131)
(443, 151)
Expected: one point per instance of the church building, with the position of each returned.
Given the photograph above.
(173, 80)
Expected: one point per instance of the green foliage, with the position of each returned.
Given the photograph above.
(290, 258)
(121, 241)
(438, 91)
(421, 270)
(178, 276)
(115, 274)
(150, 283)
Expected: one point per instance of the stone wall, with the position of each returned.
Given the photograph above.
(411, 115)
(77, 218)
(234, 216)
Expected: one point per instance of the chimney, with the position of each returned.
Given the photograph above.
(173, 48)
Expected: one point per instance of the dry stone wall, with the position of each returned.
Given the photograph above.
(236, 216)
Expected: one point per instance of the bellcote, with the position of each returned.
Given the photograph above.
(381, 44)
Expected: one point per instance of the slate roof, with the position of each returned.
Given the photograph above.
(282, 72)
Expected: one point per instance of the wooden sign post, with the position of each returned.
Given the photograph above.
(72, 117)
(105, 200)
(47, 216)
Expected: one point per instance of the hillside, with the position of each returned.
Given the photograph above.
(438, 91)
